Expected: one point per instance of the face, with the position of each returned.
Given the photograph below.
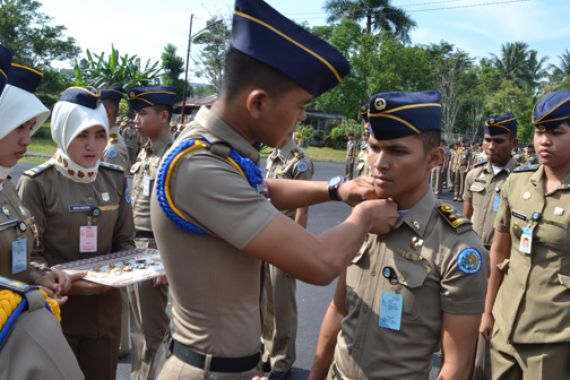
(400, 168)
(280, 115)
(552, 146)
(498, 148)
(87, 148)
(149, 122)
(13, 146)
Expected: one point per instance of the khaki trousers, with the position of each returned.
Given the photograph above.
(279, 318)
(482, 369)
(176, 369)
(550, 361)
(436, 180)
(149, 322)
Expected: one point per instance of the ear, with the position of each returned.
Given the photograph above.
(257, 102)
(435, 157)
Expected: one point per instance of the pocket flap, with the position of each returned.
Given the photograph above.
(503, 265)
(564, 280)
(410, 274)
(477, 187)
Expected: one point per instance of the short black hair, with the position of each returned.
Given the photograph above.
(240, 71)
(159, 108)
(430, 140)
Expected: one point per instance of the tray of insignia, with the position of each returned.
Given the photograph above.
(118, 269)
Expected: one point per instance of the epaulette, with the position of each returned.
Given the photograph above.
(38, 169)
(526, 168)
(452, 216)
(484, 162)
(15, 286)
(114, 167)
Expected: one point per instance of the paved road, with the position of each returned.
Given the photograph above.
(312, 300)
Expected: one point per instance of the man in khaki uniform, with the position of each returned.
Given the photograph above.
(439, 172)
(362, 168)
(420, 286)
(527, 312)
(463, 163)
(279, 307)
(482, 198)
(149, 321)
(116, 151)
(350, 155)
(212, 220)
(452, 166)
(530, 155)
(132, 139)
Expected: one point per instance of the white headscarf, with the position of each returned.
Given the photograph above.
(68, 120)
(17, 106)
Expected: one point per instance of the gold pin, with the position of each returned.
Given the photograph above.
(416, 224)
(558, 211)
(526, 195)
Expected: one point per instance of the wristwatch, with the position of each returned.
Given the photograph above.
(334, 185)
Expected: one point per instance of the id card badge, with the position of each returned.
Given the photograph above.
(19, 256)
(496, 202)
(88, 239)
(526, 241)
(391, 308)
(146, 186)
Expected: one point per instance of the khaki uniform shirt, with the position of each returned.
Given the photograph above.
(362, 167)
(116, 151)
(533, 302)
(350, 150)
(131, 137)
(215, 286)
(55, 201)
(36, 349)
(12, 214)
(453, 162)
(464, 158)
(144, 175)
(483, 191)
(289, 162)
(422, 250)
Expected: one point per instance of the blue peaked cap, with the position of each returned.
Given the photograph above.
(24, 77)
(142, 97)
(84, 96)
(262, 33)
(501, 124)
(398, 114)
(112, 92)
(5, 60)
(552, 110)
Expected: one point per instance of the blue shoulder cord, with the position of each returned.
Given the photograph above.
(250, 169)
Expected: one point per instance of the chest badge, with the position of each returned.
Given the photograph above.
(526, 195)
(558, 211)
(106, 197)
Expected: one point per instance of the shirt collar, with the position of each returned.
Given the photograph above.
(511, 165)
(418, 216)
(215, 125)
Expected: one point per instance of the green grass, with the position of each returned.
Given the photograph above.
(326, 154)
(41, 143)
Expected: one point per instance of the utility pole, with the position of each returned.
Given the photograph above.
(185, 88)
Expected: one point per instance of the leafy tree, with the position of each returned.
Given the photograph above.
(127, 71)
(561, 71)
(215, 39)
(378, 15)
(173, 67)
(520, 64)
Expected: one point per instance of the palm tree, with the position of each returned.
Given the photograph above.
(520, 64)
(536, 69)
(378, 15)
(563, 70)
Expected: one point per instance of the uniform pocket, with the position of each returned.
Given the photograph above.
(411, 278)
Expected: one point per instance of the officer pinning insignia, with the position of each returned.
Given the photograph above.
(452, 216)
(469, 261)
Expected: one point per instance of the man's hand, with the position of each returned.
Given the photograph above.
(358, 190)
(81, 287)
(383, 215)
(160, 281)
(486, 326)
(57, 281)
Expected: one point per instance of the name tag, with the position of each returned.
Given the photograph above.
(146, 186)
(526, 241)
(496, 202)
(19, 256)
(391, 308)
(88, 239)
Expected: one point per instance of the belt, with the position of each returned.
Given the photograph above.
(217, 364)
(336, 372)
(144, 234)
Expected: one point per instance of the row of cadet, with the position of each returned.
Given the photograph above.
(411, 271)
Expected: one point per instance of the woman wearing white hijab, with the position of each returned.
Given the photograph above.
(82, 209)
(33, 330)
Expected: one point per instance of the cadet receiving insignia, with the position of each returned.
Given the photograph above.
(27, 329)
(148, 299)
(528, 302)
(427, 297)
(279, 307)
(75, 222)
(210, 215)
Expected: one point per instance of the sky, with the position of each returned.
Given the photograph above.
(480, 27)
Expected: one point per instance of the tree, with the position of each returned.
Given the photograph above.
(562, 71)
(520, 65)
(215, 39)
(377, 14)
(172, 66)
(126, 71)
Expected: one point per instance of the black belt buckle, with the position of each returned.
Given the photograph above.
(217, 364)
(144, 234)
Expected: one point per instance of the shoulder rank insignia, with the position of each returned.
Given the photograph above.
(38, 169)
(484, 162)
(114, 167)
(526, 168)
(469, 261)
(452, 216)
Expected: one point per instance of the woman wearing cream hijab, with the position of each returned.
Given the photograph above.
(82, 209)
